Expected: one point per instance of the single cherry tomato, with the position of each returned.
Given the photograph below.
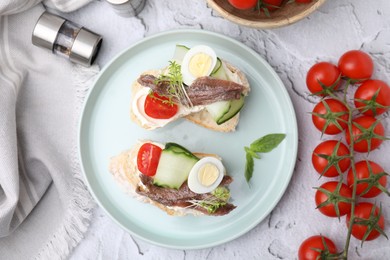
(362, 212)
(330, 116)
(369, 142)
(322, 73)
(328, 149)
(363, 172)
(148, 158)
(314, 248)
(271, 5)
(330, 209)
(243, 4)
(159, 107)
(372, 96)
(356, 65)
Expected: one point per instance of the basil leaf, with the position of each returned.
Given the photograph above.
(267, 143)
(249, 165)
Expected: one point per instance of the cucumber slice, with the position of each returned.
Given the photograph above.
(222, 111)
(235, 107)
(219, 71)
(174, 166)
(179, 53)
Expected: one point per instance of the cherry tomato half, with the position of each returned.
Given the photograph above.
(363, 172)
(309, 248)
(243, 4)
(367, 99)
(363, 211)
(356, 65)
(329, 209)
(365, 122)
(148, 158)
(323, 72)
(326, 148)
(337, 113)
(159, 107)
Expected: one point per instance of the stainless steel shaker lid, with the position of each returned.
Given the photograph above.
(85, 47)
(46, 30)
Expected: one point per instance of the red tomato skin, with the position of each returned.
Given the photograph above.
(335, 106)
(270, 4)
(366, 122)
(367, 90)
(243, 4)
(147, 158)
(362, 172)
(325, 72)
(329, 210)
(327, 147)
(306, 252)
(356, 65)
(155, 108)
(363, 210)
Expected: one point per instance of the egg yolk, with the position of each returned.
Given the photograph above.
(208, 174)
(200, 64)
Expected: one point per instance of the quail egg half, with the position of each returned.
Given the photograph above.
(199, 61)
(206, 175)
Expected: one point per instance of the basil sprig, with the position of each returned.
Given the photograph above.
(264, 144)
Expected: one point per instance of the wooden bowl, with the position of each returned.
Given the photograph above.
(287, 14)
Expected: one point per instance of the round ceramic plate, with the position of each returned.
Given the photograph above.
(106, 130)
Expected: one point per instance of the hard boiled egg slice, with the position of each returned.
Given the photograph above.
(206, 175)
(199, 61)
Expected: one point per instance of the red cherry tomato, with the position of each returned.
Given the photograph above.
(365, 122)
(362, 172)
(148, 158)
(243, 4)
(320, 121)
(159, 107)
(363, 211)
(323, 72)
(356, 65)
(309, 248)
(271, 5)
(329, 209)
(365, 95)
(326, 148)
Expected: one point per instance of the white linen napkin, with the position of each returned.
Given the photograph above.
(44, 205)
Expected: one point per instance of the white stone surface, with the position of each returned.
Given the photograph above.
(338, 26)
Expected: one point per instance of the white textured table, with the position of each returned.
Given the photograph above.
(338, 26)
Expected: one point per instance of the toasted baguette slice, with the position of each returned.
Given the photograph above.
(124, 169)
(202, 118)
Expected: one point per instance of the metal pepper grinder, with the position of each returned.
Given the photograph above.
(66, 38)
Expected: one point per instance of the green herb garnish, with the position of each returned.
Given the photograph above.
(176, 89)
(217, 199)
(264, 144)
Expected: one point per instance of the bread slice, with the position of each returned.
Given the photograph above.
(124, 170)
(202, 118)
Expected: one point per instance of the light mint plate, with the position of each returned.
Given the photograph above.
(106, 130)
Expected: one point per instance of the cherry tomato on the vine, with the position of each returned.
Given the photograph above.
(356, 65)
(330, 209)
(363, 172)
(315, 248)
(243, 4)
(366, 140)
(330, 116)
(362, 212)
(322, 74)
(336, 156)
(372, 98)
(271, 5)
(148, 158)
